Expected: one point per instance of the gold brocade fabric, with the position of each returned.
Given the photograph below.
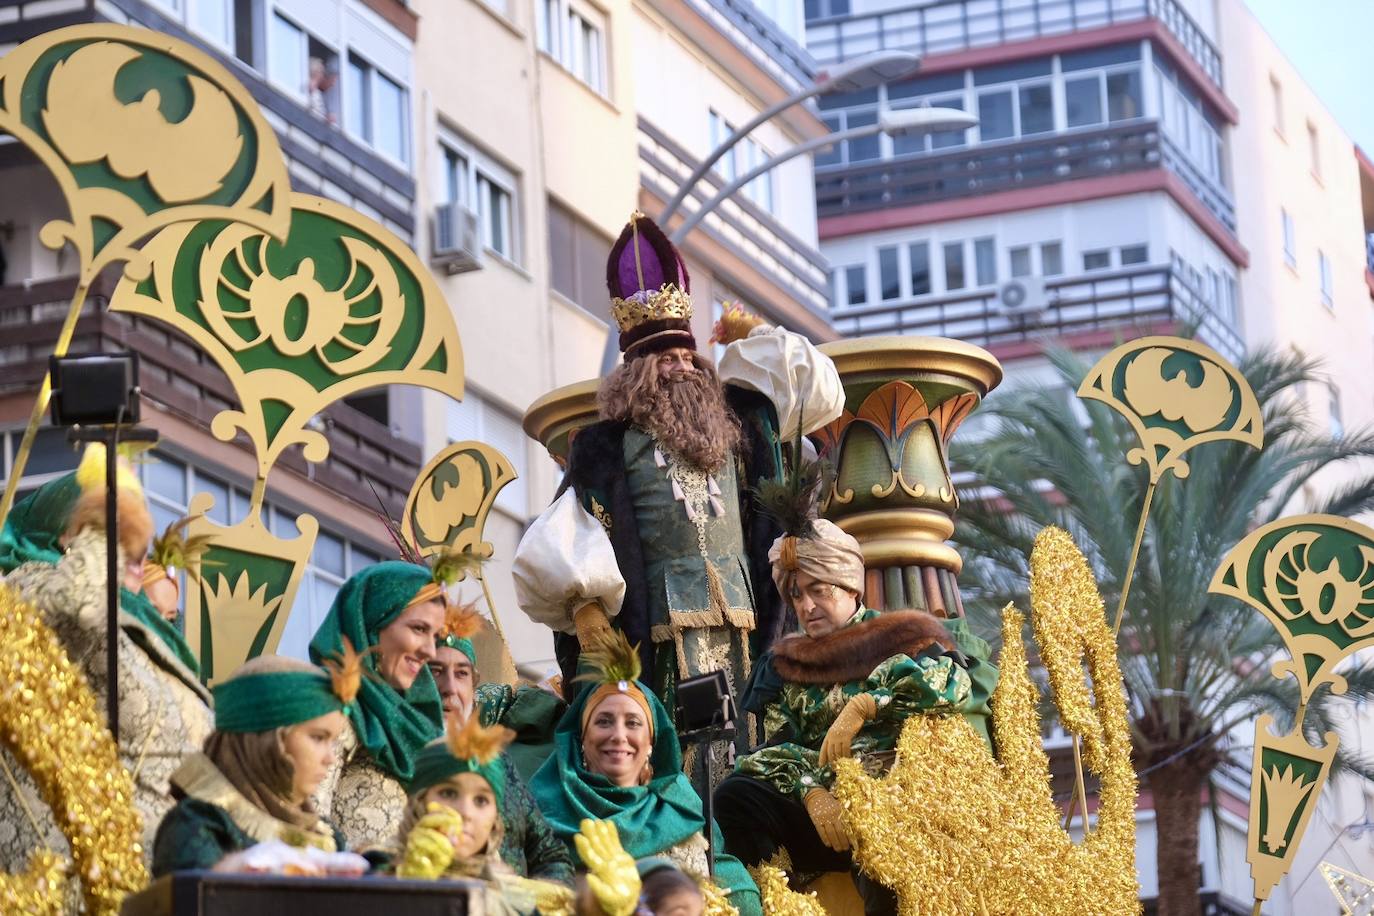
(163, 714)
(363, 802)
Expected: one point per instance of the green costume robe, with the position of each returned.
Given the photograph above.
(530, 712)
(797, 716)
(213, 820)
(661, 818)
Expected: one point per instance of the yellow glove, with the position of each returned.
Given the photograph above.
(828, 816)
(860, 708)
(734, 324)
(611, 871)
(590, 621)
(429, 846)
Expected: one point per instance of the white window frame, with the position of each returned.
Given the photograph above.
(482, 174)
(223, 7)
(561, 25)
(293, 85)
(1335, 423)
(366, 122)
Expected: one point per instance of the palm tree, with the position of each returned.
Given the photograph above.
(1196, 666)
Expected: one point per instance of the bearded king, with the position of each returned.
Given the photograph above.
(655, 531)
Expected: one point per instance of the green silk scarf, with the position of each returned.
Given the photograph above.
(393, 727)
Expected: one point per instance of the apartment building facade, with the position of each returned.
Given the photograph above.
(335, 79)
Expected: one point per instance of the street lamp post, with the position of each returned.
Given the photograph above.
(860, 73)
(896, 123)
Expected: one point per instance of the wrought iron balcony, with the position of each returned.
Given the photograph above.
(1147, 297)
(947, 26)
(181, 379)
(987, 168)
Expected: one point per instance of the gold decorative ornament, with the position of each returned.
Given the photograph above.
(1312, 577)
(51, 723)
(447, 508)
(554, 419)
(1355, 893)
(238, 594)
(990, 841)
(665, 303)
(340, 306)
(140, 131)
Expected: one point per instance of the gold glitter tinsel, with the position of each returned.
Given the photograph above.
(40, 891)
(778, 898)
(953, 830)
(50, 722)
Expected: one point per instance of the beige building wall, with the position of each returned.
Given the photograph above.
(485, 84)
(1289, 155)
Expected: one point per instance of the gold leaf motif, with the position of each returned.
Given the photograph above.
(1287, 792)
(1295, 589)
(893, 408)
(1130, 380)
(452, 496)
(88, 123)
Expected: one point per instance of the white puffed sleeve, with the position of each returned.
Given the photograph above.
(800, 380)
(564, 561)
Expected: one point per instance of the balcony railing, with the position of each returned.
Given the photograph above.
(181, 378)
(987, 168)
(791, 263)
(958, 25)
(1143, 297)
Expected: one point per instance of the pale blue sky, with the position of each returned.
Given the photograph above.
(1329, 41)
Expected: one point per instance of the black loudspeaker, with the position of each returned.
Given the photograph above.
(98, 389)
(705, 707)
(201, 893)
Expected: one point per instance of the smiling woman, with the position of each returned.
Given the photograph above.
(392, 613)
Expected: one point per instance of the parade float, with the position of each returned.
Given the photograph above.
(169, 169)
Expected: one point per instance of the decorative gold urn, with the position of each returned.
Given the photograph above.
(904, 398)
(556, 417)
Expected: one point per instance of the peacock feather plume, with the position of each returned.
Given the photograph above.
(611, 658)
(474, 741)
(793, 497)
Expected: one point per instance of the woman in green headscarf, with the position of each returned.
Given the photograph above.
(52, 551)
(616, 758)
(391, 613)
(276, 723)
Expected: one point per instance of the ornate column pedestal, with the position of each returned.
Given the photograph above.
(556, 417)
(904, 398)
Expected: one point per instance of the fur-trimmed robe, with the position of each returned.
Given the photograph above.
(596, 470)
(906, 660)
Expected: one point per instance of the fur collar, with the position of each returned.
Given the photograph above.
(852, 652)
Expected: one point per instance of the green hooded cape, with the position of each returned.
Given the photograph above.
(650, 819)
(392, 727)
(33, 534)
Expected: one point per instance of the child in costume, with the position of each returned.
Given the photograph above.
(617, 758)
(453, 825)
(276, 724)
(391, 612)
(52, 551)
(843, 687)
(529, 845)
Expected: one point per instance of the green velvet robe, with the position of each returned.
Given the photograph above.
(197, 834)
(799, 715)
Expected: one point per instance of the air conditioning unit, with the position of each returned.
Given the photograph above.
(457, 239)
(1023, 296)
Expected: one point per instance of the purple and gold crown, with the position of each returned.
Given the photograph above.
(651, 293)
